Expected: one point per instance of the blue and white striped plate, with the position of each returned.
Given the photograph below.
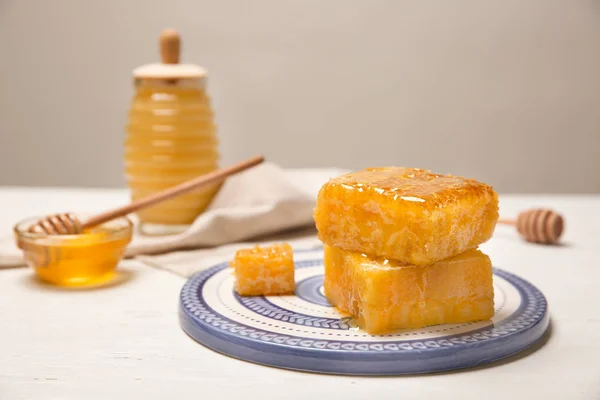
(303, 332)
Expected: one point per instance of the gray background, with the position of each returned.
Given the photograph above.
(503, 91)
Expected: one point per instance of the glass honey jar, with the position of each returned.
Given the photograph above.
(170, 138)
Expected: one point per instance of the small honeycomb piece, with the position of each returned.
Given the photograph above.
(264, 270)
(405, 214)
(385, 295)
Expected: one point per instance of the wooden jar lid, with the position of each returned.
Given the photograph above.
(169, 68)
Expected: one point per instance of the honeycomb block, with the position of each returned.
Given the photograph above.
(405, 214)
(385, 295)
(264, 270)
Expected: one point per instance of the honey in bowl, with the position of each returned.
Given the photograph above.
(86, 259)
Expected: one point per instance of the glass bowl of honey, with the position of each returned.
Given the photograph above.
(86, 259)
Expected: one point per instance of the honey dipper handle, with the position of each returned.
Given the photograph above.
(193, 184)
(504, 221)
(170, 45)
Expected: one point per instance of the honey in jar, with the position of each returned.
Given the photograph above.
(171, 138)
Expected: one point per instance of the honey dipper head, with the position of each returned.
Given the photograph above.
(59, 224)
(540, 226)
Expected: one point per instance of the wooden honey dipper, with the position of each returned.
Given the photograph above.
(538, 225)
(68, 224)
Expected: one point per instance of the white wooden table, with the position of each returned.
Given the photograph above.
(125, 342)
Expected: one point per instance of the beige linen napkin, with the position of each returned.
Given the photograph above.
(265, 203)
(10, 255)
(254, 203)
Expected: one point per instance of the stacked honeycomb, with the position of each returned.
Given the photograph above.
(400, 247)
(385, 295)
